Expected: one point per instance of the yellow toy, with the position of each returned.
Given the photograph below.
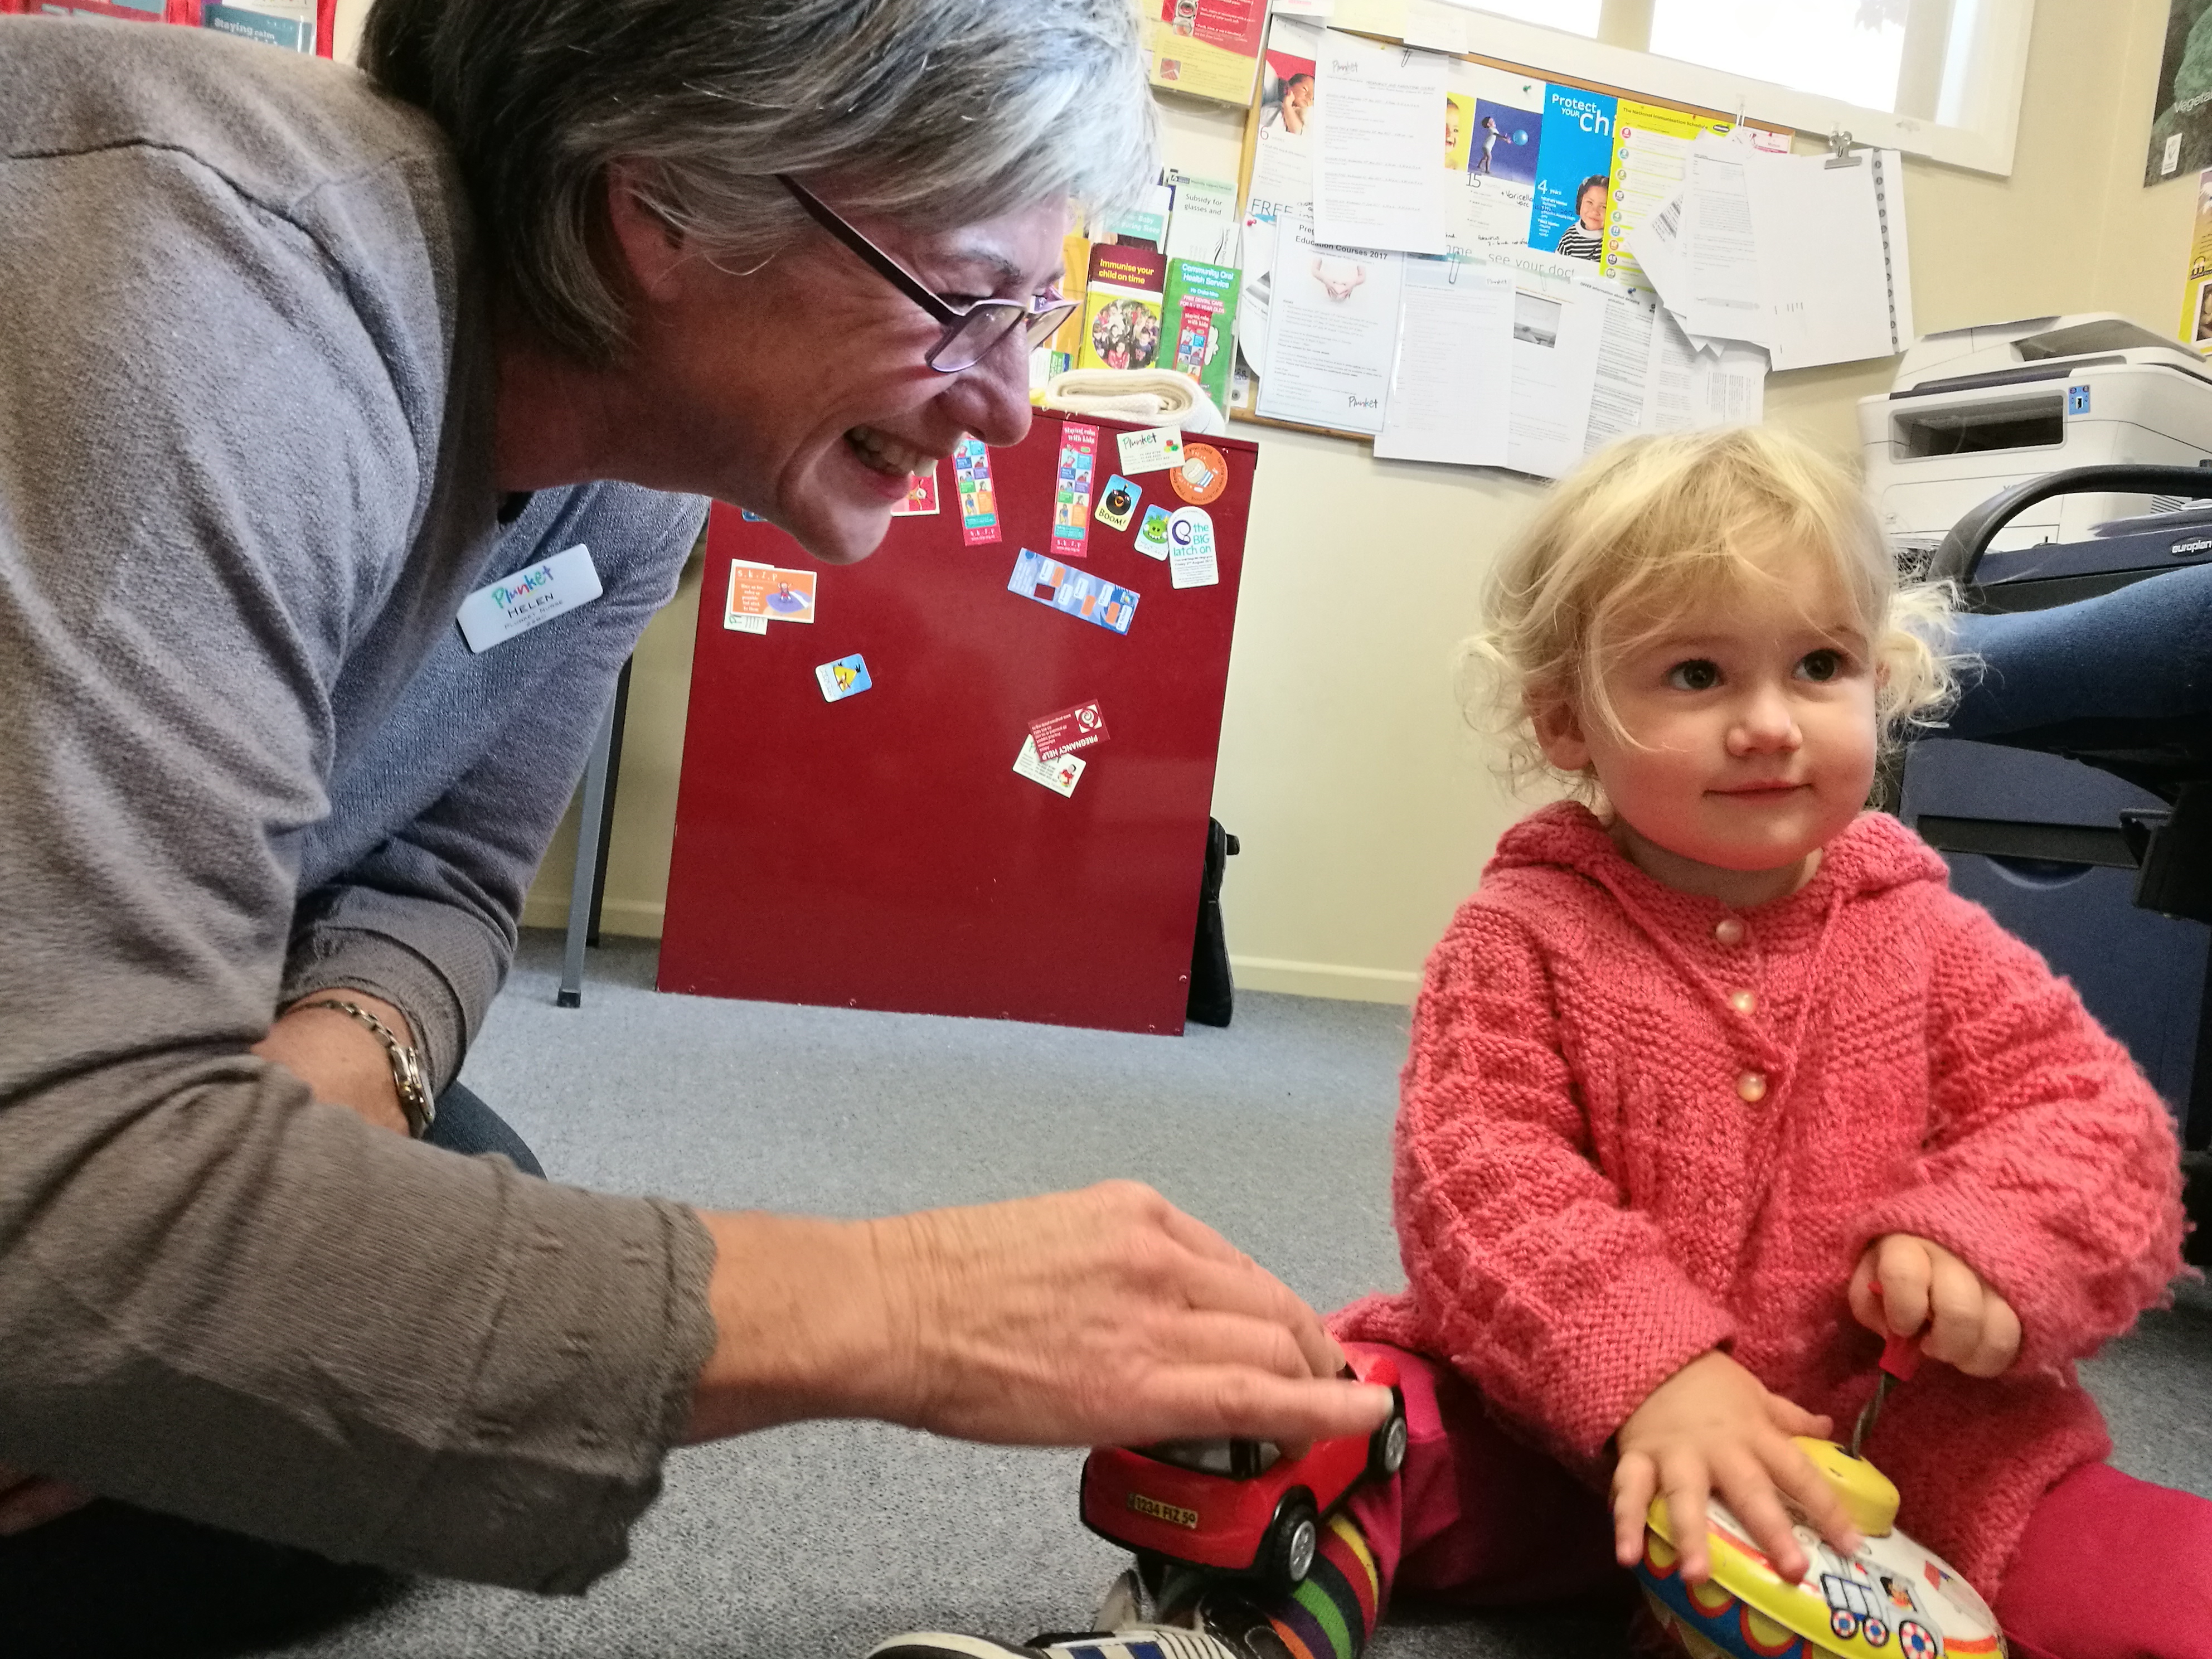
(1893, 1600)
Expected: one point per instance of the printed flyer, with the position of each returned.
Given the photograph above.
(1574, 173)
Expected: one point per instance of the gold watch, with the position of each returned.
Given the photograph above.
(415, 1101)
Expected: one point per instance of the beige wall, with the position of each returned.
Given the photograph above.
(1364, 807)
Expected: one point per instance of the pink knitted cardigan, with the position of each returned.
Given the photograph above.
(1586, 1200)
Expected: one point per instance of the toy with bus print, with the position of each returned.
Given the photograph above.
(1893, 1600)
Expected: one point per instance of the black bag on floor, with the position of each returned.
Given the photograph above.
(1212, 993)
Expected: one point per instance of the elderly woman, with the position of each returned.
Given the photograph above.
(292, 363)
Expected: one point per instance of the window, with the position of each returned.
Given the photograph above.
(1939, 78)
(1574, 16)
(1848, 49)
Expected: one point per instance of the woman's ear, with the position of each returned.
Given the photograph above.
(652, 247)
(1559, 728)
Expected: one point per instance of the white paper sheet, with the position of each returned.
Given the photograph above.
(1620, 372)
(1557, 322)
(1651, 171)
(1451, 385)
(1204, 222)
(1378, 124)
(1689, 388)
(1720, 244)
(1332, 325)
(1830, 274)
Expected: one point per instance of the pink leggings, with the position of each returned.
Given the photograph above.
(2111, 1567)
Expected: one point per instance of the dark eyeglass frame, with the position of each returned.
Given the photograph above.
(978, 330)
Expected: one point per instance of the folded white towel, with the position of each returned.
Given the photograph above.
(1154, 396)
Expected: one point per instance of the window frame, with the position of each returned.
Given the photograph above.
(1984, 146)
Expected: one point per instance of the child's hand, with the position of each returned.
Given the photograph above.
(1713, 1426)
(1903, 1283)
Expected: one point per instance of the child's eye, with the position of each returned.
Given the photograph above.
(1696, 675)
(1820, 665)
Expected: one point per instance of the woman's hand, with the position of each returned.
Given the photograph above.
(1903, 1283)
(1713, 1427)
(1104, 1316)
(31, 1500)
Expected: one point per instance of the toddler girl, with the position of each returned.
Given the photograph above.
(1714, 1083)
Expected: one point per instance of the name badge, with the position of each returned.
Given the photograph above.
(536, 593)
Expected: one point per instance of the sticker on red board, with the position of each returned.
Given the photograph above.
(1077, 593)
(920, 495)
(1070, 503)
(1071, 729)
(848, 677)
(1191, 562)
(1117, 501)
(1203, 475)
(1153, 533)
(1060, 776)
(1153, 450)
(770, 593)
(979, 503)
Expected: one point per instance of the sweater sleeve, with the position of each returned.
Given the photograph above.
(1558, 1301)
(219, 1297)
(2050, 1167)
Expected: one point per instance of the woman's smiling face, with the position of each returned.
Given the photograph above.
(798, 387)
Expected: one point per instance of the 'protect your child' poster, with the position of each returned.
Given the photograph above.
(1573, 172)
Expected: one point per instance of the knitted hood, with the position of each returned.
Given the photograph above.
(1876, 853)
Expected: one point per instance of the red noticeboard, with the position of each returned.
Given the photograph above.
(880, 851)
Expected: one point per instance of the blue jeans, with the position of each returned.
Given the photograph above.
(114, 1580)
(465, 1124)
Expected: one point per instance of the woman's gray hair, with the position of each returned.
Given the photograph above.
(935, 113)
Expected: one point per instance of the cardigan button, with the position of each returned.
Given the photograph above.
(1751, 1087)
(1742, 1001)
(1728, 931)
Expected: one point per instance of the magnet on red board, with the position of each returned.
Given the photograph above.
(1117, 502)
(1203, 475)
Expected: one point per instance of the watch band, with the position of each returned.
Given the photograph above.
(415, 1101)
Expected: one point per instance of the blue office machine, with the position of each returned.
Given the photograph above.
(2071, 791)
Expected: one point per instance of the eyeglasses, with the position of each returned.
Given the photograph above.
(971, 333)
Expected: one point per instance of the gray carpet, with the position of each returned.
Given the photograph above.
(816, 1541)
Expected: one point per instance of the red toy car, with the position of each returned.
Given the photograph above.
(1237, 1505)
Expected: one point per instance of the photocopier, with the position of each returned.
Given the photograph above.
(1975, 410)
(2036, 837)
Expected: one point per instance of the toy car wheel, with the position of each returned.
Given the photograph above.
(1386, 1451)
(1286, 1554)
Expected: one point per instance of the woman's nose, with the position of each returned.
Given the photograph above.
(992, 399)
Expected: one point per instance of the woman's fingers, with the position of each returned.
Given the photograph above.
(1635, 1479)
(1245, 1288)
(1092, 1317)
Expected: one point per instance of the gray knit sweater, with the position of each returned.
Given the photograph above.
(244, 480)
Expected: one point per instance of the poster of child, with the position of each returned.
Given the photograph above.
(1459, 130)
(1286, 91)
(1126, 334)
(1506, 141)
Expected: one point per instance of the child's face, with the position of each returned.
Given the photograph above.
(1750, 731)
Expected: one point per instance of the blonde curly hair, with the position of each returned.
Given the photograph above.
(1647, 527)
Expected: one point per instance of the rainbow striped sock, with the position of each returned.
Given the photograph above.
(1330, 1616)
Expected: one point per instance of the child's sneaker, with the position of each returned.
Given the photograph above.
(1140, 1642)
